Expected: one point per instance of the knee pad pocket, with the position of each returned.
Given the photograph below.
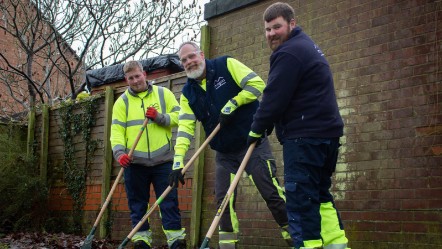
(297, 198)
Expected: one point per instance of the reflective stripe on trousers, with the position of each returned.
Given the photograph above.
(313, 219)
(286, 235)
(337, 246)
(261, 169)
(332, 232)
(228, 240)
(174, 235)
(137, 183)
(145, 236)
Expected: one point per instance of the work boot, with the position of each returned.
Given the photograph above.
(179, 244)
(139, 244)
(232, 246)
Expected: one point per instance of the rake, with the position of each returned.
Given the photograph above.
(168, 189)
(88, 241)
(226, 199)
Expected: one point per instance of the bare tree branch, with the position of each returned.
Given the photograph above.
(54, 42)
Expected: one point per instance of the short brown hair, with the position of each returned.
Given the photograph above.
(132, 65)
(279, 9)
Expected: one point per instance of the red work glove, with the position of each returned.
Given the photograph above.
(151, 113)
(124, 160)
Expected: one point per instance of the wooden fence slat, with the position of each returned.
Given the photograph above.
(31, 132)
(197, 182)
(107, 162)
(44, 143)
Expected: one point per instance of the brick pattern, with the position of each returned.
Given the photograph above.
(60, 199)
(385, 56)
(10, 49)
(122, 226)
(385, 59)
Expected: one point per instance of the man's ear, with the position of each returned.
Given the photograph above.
(292, 24)
(202, 55)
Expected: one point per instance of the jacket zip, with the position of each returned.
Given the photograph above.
(147, 133)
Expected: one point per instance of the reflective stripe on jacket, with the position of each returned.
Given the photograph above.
(226, 78)
(155, 145)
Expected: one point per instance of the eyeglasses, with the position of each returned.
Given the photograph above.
(191, 56)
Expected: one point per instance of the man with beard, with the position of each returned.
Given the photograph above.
(152, 159)
(225, 91)
(300, 101)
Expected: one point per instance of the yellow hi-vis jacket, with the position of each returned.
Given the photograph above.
(128, 114)
(252, 87)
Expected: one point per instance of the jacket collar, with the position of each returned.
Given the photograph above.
(210, 71)
(148, 91)
(296, 31)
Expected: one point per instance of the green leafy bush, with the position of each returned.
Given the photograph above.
(23, 198)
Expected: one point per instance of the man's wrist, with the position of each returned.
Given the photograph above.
(229, 107)
(253, 134)
(233, 100)
(178, 162)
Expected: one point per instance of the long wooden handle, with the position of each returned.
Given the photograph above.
(226, 199)
(140, 133)
(120, 174)
(169, 188)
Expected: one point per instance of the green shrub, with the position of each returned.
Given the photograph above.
(59, 223)
(23, 202)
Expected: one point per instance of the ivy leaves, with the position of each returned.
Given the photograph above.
(78, 119)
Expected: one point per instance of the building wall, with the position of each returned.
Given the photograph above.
(57, 86)
(385, 56)
(60, 201)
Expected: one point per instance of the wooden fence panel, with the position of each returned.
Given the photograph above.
(61, 201)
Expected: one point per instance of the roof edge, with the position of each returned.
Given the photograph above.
(216, 8)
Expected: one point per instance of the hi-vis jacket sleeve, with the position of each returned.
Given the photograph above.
(186, 127)
(251, 84)
(172, 109)
(118, 128)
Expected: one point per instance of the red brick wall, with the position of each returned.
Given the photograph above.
(385, 56)
(9, 47)
(122, 226)
(60, 200)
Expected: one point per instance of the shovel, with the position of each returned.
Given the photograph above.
(88, 241)
(226, 199)
(168, 189)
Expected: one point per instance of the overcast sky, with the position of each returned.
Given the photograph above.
(184, 38)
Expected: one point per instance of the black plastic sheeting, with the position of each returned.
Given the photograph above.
(107, 75)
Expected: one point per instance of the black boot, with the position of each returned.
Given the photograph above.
(179, 244)
(139, 244)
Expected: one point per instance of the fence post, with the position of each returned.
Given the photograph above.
(31, 132)
(197, 182)
(44, 143)
(107, 162)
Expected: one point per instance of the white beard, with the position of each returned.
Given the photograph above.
(195, 74)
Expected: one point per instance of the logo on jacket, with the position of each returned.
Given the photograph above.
(319, 50)
(219, 82)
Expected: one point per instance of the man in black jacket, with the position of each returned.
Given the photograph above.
(300, 100)
(223, 90)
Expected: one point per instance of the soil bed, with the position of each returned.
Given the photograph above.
(55, 241)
